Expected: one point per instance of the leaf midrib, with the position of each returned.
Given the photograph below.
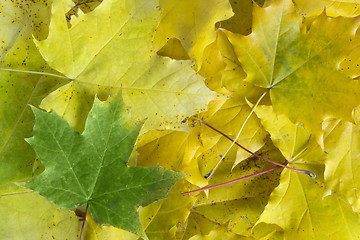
(67, 159)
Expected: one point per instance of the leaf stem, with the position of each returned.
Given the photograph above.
(34, 72)
(84, 220)
(208, 176)
(232, 181)
(310, 174)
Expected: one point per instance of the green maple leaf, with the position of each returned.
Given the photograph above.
(92, 167)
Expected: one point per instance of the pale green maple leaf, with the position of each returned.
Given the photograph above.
(111, 48)
(19, 21)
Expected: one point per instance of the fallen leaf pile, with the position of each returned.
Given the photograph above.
(100, 103)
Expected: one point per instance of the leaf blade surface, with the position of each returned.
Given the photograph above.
(92, 167)
(305, 83)
(110, 49)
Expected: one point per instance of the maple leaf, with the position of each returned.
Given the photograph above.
(342, 160)
(305, 83)
(224, 74)
(238, 206)
(96, 232)
(233, 74)
(196, 30)
(313, 217)
(310, 66)
(335, 8)
(242, 20)
(291, 139)
(18, 89)
(170, 218)
(219, 233)
(199, 151)
(27, 215)
(92, 167)
(104, 51)
(177, 147)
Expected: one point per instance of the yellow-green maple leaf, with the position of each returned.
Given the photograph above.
(233, 74)
(291, 139)
(172, 214)
(196, 153)
(95, 232)
(239, 205)
(229, 118)
(356, 115)
(333, 8)
(342, 144)
(300, 67)
(213, 67)
(242, 20)
(298, 207)
(18, 22)
(192, 22)
(220, 233)
(109, 49)
(224, 74)
(27, 215)
(176, 150)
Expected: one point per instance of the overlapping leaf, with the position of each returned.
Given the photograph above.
(238, 206)
(27, 215)
(241, 22)
(197, 153)
(305, 82)
(92, 168)
(300, 60)
(289, 138)
(95, 232)
(224, 74)
(313, 217)
(111, 48)
(175, 150)
(171, 217)
(192, 22)
(342, 160)
(218, 234)
(18, 23)
(333, 8)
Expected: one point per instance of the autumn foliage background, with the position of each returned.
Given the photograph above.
(282, 73)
